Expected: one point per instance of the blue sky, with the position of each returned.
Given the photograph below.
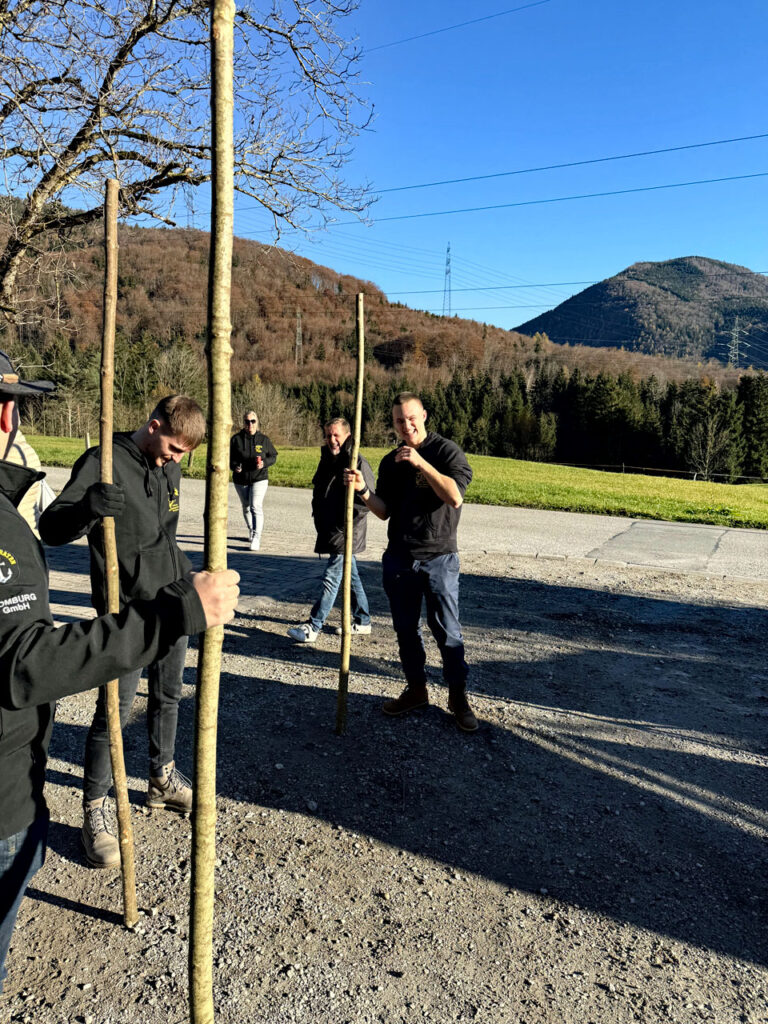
(554, 83)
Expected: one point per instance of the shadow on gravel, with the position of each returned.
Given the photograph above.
(579, 784)
(583, 788)
(513, 805)
(108, 916)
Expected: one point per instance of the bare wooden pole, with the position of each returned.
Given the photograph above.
(346, 581)
(219, 351)
(124, 827)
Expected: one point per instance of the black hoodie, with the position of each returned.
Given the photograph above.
(244, 449)
(329, 502)
(145, 532)
(40, 663)
(421, 525)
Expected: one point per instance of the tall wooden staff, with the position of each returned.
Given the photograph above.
(216, 507)
(346, 583)
(124, 827)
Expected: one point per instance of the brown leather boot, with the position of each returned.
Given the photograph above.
(458, 705)
(172, 790)
(99, 835)
(411, 698)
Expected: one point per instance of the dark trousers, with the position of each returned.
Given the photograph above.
(21, 855)
(164, 679)
(434, 582)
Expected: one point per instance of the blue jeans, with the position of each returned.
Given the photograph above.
(252, 499)
(332, 577)
(21, 856)
(164, 679)
(435, 582)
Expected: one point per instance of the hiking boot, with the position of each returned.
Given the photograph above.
(99, 835)
(303, 634)
(411, 698)
(458, 706)
(172, 790)
(357, 629)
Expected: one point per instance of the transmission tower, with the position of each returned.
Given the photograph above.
(733, 347)
(298, 337)
(447, 285)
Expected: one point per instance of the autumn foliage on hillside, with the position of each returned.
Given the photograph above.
(163, 279)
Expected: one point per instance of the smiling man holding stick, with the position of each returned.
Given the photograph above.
(420, 491)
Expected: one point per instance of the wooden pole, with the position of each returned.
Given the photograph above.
(219, 351)
(124, 827)
(346, 582)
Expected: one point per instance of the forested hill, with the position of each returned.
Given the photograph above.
(277, 296)
(689, 308)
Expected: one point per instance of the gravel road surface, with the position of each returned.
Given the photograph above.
(595, 854)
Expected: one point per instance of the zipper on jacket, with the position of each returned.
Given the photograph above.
(161, 522)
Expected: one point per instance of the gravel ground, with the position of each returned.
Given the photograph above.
(596, 853)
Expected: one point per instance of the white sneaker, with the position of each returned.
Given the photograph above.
(357, 628)
(303, 634)
(254, 545)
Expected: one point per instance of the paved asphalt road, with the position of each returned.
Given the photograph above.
(506, 531)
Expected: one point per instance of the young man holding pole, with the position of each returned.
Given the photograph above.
(144, 501)
(420, 491)
(40, 663)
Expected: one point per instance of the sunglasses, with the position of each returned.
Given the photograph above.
(250, 421)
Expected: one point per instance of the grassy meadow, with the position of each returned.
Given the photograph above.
(526, 484)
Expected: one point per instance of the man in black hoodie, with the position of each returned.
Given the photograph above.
(40, 664)
(329, 500)
(144, 500)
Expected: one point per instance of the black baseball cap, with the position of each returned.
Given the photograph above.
(11, 385)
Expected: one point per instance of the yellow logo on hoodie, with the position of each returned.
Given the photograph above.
(173, 502)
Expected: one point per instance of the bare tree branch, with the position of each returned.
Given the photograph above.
(91, 89)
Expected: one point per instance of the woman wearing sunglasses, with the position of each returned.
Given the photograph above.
(251, 453)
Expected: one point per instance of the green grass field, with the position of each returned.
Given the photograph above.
(529, 485)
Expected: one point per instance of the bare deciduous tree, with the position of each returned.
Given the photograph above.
(708, 444)
(279, 416)
(91, 89)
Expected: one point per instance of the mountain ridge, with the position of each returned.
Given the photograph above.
(690, 307)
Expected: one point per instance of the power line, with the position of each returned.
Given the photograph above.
(572, 163)
(498, 287)
(564, 199)
(555, 167)
(467, 309)
(450, 28)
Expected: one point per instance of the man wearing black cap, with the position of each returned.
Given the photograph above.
(15, 448)
(40, 663)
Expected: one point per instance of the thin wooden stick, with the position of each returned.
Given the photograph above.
(219, 351)
(346, 582)
(124, 827)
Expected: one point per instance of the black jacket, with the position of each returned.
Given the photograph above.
(421, 525)
(329, 502)
(244, 450)
(40, 663)
(147, 552)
